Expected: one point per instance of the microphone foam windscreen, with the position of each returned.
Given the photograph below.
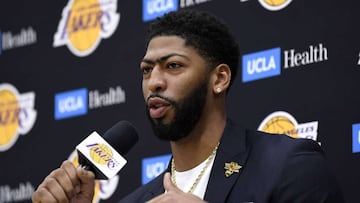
(122, 136)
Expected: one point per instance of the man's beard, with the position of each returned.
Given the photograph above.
(188, 112)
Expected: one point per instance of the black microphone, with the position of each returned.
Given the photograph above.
(102, 155)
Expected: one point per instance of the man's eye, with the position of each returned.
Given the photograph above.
(174, 65)
(145, 70)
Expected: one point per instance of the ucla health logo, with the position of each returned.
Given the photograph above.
(267, 63)
(77, 102)
(17, 114)
(71, 103)
(84, 23)
(155, 8)
(10, 40)
(356, 138)
(154, 166)
(261, 64)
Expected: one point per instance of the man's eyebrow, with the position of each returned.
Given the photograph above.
(163, 58)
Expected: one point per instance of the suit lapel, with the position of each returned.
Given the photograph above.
(232, 148)
(155, 189)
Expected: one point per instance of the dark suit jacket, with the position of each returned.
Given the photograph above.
(275, 168)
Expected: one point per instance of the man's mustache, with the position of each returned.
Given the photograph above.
(167, 99)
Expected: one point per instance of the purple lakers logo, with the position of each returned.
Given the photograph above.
(84, 23)
(17, 114)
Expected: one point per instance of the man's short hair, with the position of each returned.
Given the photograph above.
(203, 31)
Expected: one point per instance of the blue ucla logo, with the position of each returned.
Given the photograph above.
(356, 138)
(71, 103)
(154, 166)
(261, 64)
(155, 8)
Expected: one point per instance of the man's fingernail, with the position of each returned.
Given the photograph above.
(85, 172)
(82, 170)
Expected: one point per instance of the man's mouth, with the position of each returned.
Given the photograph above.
(157, 107)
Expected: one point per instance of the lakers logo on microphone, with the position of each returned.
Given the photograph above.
(17, 114)
(102, 154)
(84, 23)
(103, 157)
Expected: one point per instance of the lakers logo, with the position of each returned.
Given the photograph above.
(102, 154)
(281, 122)
(17, 114)
(274, 5)
(103, 189)
(84, 23)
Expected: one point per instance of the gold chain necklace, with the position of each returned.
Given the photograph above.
(197, 180)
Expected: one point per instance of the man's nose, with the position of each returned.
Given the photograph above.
(157, 81)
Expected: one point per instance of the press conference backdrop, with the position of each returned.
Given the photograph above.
(70, 67)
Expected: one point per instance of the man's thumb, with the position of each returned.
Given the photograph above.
(168, 184)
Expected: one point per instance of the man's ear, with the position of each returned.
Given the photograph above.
(221, 76)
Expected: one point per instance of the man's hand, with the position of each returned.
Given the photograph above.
(66, 184)
(173, 194)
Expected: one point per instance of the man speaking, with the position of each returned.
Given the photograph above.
(188, 68)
